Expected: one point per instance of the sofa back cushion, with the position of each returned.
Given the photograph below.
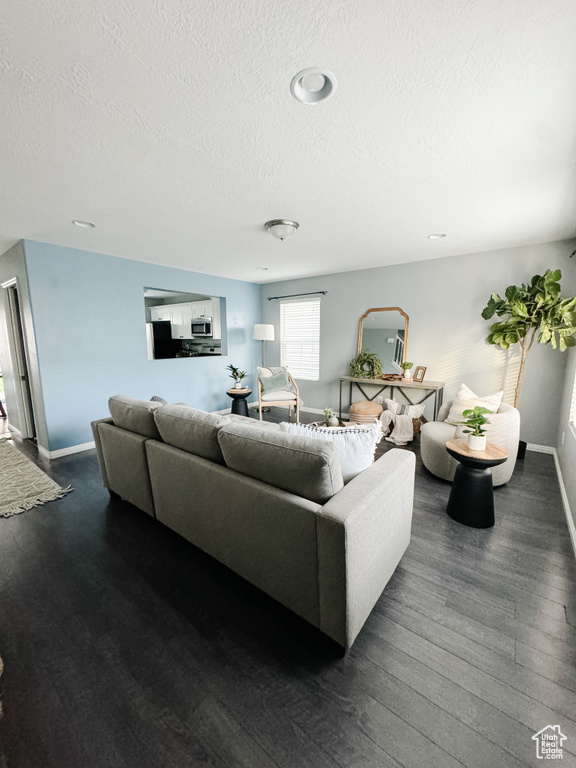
(134, 415)
(191, 430)
(299, 465)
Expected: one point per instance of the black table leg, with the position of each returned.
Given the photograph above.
(471, 499)
(240, 407)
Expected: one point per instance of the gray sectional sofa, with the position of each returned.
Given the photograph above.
(271, 506)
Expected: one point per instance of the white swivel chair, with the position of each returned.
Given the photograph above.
(503, 430)
(289, 397)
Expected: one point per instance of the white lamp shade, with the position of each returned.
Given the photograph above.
(263, 332)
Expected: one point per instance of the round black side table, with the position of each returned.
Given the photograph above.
(471, 499)
(239, 404)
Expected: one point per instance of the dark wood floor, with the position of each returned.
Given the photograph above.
(126, 646)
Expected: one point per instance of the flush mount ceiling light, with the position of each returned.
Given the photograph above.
(438, 236)
(281, 228)
(83, 224)
(262, 269)
(313, 85)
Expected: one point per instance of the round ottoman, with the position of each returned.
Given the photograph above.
(365, 412)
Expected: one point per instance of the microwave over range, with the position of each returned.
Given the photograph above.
(202, 326)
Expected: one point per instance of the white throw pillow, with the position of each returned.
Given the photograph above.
(355, 447)
(403, 409)
(467, 400)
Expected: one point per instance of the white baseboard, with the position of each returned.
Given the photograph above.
(541, 448)
(565, 502)
(65, 451)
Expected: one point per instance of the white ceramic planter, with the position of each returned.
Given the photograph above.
(407, 375)
(238, 385)
(476, 443)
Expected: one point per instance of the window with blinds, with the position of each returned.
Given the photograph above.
(300, 338)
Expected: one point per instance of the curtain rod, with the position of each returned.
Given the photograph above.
(294, 295)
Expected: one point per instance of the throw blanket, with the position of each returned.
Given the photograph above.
(403, 428)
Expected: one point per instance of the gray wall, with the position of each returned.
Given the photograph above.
(566, 439)
(444, 299)
(13, 265)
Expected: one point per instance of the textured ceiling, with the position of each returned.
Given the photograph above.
(170, 125)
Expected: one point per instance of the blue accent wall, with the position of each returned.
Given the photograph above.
(89, 320)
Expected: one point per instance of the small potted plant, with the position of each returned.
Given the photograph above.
(237, 375)
(475, 421)
(330, 418)
(407, 368)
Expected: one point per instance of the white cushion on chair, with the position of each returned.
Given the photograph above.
(467, 400)
(279, 394)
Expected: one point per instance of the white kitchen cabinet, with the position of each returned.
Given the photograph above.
(181, 321)
(182, 315)
(160, 313)
(201, 308)
(216, 321)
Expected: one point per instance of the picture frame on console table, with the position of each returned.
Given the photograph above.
(419, 374)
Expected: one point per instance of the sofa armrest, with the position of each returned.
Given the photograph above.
(362, 533)
(99, 453)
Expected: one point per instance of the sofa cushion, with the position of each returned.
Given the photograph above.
(191, 430)
(134, 415)
(236, 418)
(299, 465)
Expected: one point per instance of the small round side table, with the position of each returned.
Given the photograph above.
(239, 404)
(471, 499)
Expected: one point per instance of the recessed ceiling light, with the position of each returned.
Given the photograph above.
(436, 237)
(262, 269)
(313, 85)
(84, 224)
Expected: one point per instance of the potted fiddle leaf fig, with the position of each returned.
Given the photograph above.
(532, 311)
(475, 422)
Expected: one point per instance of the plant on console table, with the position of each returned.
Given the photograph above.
(407, 369)
(476, 421)
(366, 365)
(237, 375)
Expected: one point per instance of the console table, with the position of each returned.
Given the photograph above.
(426, 388)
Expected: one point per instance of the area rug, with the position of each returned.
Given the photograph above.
(23, 485)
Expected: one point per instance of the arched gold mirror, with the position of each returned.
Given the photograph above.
(384, 331)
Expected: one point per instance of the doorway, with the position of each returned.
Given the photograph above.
(16, 376)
